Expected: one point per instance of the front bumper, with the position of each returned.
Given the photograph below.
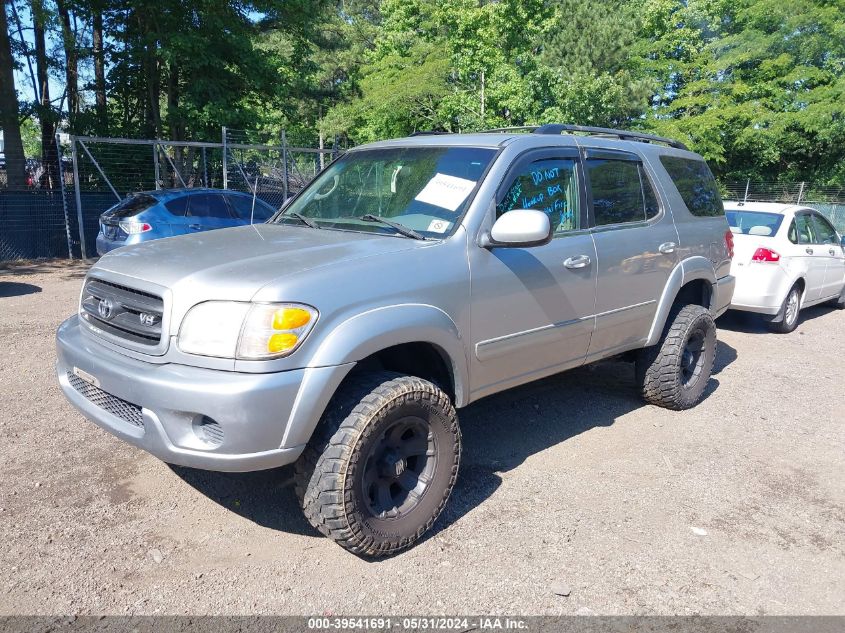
(167, 405)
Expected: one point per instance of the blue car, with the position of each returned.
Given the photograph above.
(149, 215)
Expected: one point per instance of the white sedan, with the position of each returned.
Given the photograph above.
(786, 257)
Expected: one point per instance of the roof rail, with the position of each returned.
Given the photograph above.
(623, 135)
(427, 133)
(515, 128)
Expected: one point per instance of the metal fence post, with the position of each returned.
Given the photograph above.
(64, 199)
(800, 192)
(204, 169)
(155, 163)
(747, 185)
(82, 250)
(225, 162)
(285, 165)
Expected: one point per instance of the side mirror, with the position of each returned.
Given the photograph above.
(843, 241)
(520, 228)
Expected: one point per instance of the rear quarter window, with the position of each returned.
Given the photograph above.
(696, 184)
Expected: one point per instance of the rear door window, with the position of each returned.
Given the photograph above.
(696, 184)
(621, 191)
(178, 206)
(208, 205)
(825, 233)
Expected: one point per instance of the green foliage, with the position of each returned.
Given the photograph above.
(756, 86)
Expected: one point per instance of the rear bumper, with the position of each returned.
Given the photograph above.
(105, 245)
(760, 288)
(161, 408)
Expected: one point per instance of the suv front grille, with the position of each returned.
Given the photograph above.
(123, 312)
(118, 407)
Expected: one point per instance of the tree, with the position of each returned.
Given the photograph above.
(13, 148)
(757, 86)
(46, 113)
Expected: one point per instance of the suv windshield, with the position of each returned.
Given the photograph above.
(425, 189)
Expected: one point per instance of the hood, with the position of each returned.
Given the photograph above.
(235, 263)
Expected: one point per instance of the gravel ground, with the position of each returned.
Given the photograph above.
(734, 507)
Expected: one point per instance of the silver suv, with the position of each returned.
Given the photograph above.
(411, 278)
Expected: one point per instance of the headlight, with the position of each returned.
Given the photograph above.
(251, 331)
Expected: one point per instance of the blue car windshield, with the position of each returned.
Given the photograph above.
(754, 222)
(425, 189)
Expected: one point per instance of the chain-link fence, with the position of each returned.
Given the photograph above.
(829, 200)
(95, 173)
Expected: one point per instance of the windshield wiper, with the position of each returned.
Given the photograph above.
(404, 230)
(307, 222)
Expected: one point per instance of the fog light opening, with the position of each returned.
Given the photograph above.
(209, 431)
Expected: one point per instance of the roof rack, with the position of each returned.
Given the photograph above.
(427, 133)
(623, 135)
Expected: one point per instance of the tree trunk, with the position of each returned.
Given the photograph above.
(46, 116)
(99, 72)
(152, 80)
(71, 65)
(13, 147)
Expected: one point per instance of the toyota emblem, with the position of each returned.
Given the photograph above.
(105, 309)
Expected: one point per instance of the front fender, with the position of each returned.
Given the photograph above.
(374, 330)
(684, 272)
(357, 338)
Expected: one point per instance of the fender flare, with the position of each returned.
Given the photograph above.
(688, 270)
(376, 329)
(362, 335)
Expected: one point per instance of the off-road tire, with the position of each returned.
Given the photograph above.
(787, 323)
(329, 473)
(660, 368)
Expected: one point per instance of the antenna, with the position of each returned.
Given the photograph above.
(254, 195)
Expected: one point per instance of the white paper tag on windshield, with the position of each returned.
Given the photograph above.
(446, 192)
(439, 226)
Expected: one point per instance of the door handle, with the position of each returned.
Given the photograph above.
(832, 252)
(667, 247)
(579, 261)
(808, 250)
(195, 227)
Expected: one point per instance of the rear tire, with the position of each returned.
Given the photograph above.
(674, 372)
(380, 467)
(791, 309)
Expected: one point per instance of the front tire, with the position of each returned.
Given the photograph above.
(790, 310)
(674, 373)
(382, 463)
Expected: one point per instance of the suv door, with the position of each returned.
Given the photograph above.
(531, 309)
(831, 250)
(207, 211)
(636, 244)
(811, 255)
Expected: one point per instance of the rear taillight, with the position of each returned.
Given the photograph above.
(729, 243)
(133, 228)
(765, 255)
